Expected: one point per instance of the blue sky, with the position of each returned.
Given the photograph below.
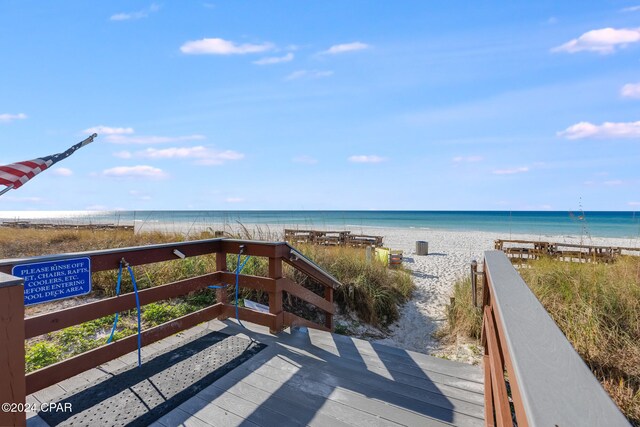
(323, 104)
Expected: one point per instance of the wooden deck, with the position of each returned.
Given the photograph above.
(309, 377)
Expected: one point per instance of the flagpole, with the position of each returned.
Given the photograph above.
(6, 189)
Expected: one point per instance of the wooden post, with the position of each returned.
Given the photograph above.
(12, 378)
(328, 317)
(275, 298)
(222, 295)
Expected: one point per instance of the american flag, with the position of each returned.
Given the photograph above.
(16, 175)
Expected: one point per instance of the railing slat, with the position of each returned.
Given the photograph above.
(49, 322)
(57, 372)
(499, 389)
(307, 295)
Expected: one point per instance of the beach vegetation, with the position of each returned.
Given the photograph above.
(372, 292)
(597, 307)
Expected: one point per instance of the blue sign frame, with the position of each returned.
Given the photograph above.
(54, 280)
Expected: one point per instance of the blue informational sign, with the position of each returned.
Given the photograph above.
(53, 280)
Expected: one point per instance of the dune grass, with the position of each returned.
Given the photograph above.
(597, 306)
(371, 290)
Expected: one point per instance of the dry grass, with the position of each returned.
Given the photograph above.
(597, 306)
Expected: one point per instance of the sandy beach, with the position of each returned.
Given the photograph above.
(449, 258)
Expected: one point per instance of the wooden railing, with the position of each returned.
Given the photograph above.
(533, 376)
(14, 328)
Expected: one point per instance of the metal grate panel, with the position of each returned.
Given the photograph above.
(138, 396)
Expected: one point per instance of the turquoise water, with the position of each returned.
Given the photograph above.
(596, 224)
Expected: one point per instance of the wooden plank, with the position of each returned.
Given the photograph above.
(291, 319)
(546, 367)
(291, 408)
(49, 322)
(252, 248)
(397, 358)
(328, 316)
(358, 378)
(57, 372)
(380, 402)
(275, 296)
(242, 406)
(430, 382)
(109, 259)
(496, 370)
(307, 295)
(329, 412)
(416, 371)
(264, 319)
(296, 259)
(12, 364)
(264, 284)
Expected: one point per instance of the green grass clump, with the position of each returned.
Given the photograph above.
(156, 313)
(41, 354)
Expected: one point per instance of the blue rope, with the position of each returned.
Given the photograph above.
(239, 268)
(115, 321)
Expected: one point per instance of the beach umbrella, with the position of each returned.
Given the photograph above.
(15, 175)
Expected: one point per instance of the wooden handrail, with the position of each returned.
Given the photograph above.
(550, 383)
(14, 326)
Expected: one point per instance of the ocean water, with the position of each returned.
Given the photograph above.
(596, 224)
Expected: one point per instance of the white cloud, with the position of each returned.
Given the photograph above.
(123, 154)
(141, 171)
(604, 40)
(467, 159)
(62, 172)
(234, 200)
(606, 130)
(308, 74)
(305, 159)
(203, 155)
(511, 171)
(346, 47)
(150, 139)
(366, 159)
(614, 182)
(106, 130)
(630, 90)
(631, 9)
(217, 46)
(633, 203)
(130, 16)
(6, 117)
(274, 59)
